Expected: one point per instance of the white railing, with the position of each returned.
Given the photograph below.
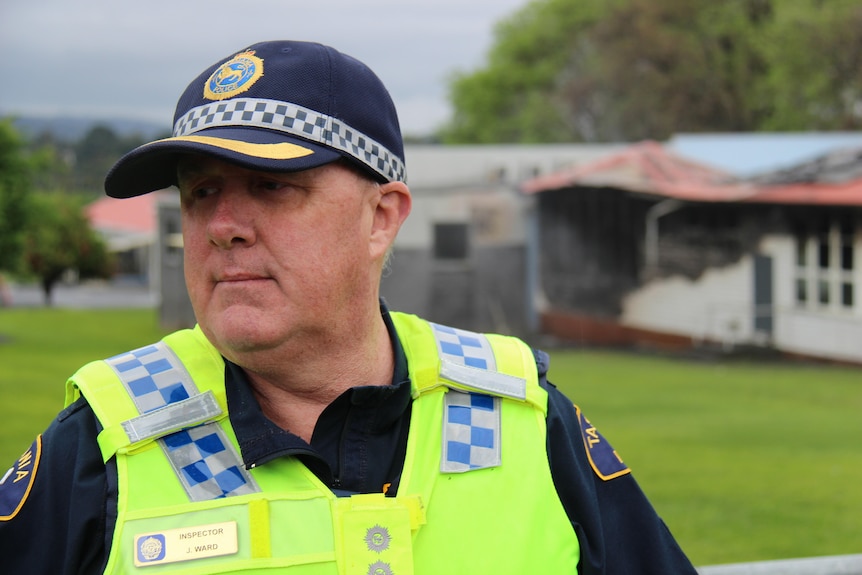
(833, 565)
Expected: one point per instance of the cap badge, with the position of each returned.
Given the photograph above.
(234, 76)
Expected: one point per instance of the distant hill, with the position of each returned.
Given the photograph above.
(72, 129)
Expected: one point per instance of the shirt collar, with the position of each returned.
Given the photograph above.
(260, 440)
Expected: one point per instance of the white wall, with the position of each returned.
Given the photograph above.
(496, 215)
(437, 166)
(830, 332)
(718, 306)
(470, 183)
(714, 307)
(814, 334)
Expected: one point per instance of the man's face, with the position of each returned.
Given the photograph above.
(276, 261)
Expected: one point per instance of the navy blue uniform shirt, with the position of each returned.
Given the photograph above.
(66, 523)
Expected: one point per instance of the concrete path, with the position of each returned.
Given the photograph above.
(86, 295)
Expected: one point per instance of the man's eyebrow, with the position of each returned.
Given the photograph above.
(187, 168)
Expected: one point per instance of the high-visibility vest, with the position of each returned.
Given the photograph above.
(476, 494)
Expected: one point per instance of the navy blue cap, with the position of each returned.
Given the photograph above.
(275, 106)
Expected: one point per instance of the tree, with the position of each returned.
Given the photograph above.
(52, 162)
(514, 98)
(60, 240)
(669, 66)
(628, 70)
(96, 152)
(15, 182)
(815, 79)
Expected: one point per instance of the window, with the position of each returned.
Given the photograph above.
(825, 266)
(451, 241)
(823, 292)
(823, 252)
(847, 236)
(801, 290)
(847, 294)
(801, 251)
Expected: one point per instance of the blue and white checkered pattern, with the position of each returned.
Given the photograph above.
(295, 120)
(464, 347)
(471, 421)
(205, 462)
(471, 432)
(153, 376)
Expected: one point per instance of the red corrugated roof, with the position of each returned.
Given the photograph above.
(137, 214)
(817, 194)
(648, 167)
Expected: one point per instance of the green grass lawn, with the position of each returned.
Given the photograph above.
(41, 348)
(744, 461)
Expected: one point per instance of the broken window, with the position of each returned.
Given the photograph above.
(825, 266)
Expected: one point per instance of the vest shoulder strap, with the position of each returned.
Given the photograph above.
(489, 364)
(159, 394)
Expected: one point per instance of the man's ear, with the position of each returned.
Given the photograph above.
(392, 208)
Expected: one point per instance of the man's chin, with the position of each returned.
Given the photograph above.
(240, 331)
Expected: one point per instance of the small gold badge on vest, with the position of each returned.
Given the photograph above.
(185, 544)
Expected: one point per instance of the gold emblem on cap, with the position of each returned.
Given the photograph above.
(234, 76)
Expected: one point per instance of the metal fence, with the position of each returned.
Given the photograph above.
(833, 565)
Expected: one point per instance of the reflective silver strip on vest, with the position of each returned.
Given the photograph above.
(172, 417)
(205, 461)
(467, 358)
(492, 381)
(471, 421)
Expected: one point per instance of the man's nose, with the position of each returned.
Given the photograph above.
(231, 221)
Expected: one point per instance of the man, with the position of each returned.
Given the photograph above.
(302, 427)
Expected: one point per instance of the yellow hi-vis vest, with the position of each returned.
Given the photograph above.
(476, 494)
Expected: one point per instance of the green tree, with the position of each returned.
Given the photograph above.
(514, 99)
(659, 67)
(95, 153)
(15, 186)
(79, 166)
(53, 160)
(60, 240)
(627, 70)
(815, 78)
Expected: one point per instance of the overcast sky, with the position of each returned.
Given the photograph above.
(132, 59)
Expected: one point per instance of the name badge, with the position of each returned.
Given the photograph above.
(185, 544)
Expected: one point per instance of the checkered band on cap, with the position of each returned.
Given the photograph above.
(295, 120)
(205, 462)
(471, 432)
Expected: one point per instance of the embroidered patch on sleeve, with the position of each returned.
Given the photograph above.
(604, 460)
(16, 483)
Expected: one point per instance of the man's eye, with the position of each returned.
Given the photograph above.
(200, 193)
(190, 194)
(270, 185)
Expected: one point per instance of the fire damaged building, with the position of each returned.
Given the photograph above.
(644, 247)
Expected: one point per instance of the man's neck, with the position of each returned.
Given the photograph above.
(293, 393)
